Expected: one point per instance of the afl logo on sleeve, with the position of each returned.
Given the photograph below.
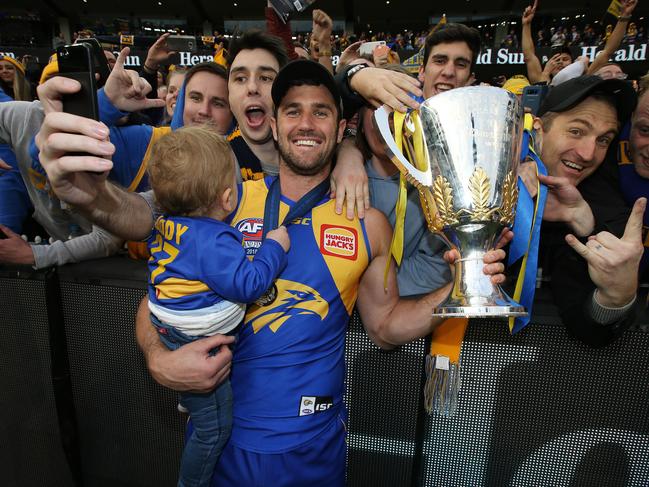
(251, 229)
(339, 241)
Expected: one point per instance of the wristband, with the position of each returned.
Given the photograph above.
(352, 72)
(625, 18)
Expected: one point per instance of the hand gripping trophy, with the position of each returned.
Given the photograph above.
(465, 168)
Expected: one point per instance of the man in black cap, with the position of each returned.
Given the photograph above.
(288, 366)
(578, 121)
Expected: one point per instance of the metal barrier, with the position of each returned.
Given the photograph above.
(535, 409)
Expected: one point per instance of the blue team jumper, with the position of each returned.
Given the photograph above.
(197, 265)
(288, 368)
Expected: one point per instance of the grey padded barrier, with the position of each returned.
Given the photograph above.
(540, 409)
(535, 409)
(130, 431)
(31, 451)
(382, 396)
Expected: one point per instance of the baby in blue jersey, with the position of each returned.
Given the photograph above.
(200, 275)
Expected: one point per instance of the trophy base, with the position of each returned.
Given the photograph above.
(498, 304)
(479, 311)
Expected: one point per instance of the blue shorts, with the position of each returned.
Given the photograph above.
(318, 463)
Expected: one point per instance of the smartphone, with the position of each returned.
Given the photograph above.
(533, 96)
(367, 48)
(99, 61)
(181, 43)
(75, 61)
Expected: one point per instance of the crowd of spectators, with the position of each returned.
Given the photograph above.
(572, 30)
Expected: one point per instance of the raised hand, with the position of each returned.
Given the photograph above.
(158, 53)
(349, 54)
(529, 12)
(565, 204)
(322, 27)
(628, 6)
(74, 178)
(613, 262)
(382, 87)
(127, 90)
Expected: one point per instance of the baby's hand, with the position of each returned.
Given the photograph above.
(281, 237)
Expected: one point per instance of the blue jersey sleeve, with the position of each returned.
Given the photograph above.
(131, 144)
(15, 203)
(228, 272)
(108, 113)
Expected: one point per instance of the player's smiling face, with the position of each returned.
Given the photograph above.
(307, 129)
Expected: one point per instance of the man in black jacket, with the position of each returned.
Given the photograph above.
(592, 248)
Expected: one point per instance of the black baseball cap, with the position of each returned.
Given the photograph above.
(303, 69)
(572, 92)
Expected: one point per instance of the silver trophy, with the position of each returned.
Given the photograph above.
(472, 138)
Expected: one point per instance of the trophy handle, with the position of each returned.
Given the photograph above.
(417, 177)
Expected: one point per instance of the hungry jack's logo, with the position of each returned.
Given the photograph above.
(339, 241)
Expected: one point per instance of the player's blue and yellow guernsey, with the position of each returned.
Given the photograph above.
(288, 368)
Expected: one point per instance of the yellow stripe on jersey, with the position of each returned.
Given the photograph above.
(177, 288)
(342, 245)
(155, 135)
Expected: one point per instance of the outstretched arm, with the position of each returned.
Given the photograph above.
(534, 70)
(276, 27)
(80, 180)
(322, 27)
(391, 321)
(614, 41)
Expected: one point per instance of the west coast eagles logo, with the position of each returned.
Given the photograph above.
(294, 300)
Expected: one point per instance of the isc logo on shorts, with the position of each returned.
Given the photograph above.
(339, 241)
(315, 404)
(251, 229)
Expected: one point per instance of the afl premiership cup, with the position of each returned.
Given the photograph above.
(466, 176)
